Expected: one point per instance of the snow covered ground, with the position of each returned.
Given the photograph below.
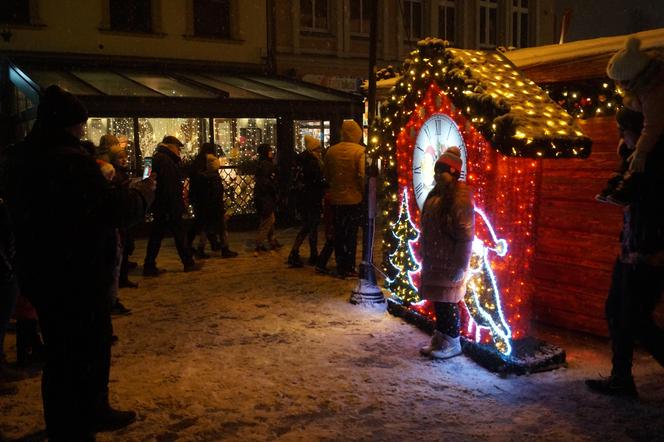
(247, 349)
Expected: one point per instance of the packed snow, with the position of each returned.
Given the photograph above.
(248, 349)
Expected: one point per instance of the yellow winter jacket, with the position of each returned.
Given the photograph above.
(344, 167)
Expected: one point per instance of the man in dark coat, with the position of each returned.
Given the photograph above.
(65, 215)
(168, 207)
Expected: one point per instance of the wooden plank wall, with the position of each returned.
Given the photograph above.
(577, 237)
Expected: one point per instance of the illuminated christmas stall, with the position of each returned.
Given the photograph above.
(504, 125)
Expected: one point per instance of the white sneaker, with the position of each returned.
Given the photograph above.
(437, 342)
(451, 347)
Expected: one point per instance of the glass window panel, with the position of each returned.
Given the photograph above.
(524, 31)
(46, 78)
(114, 84)
(123, 128)
(233, 92)
(212, 18)
(130, 15)
(15, 12)
(316, 128)
(417, 20)
(169, 86)
(258, 88)
(493, 18)
(450, 26)
(240, 137)
(298, 89)
(188, 130)
(307, 13)
(321, 21)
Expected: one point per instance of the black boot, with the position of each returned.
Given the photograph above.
(613, 386)
(294, 260)
(227, 253)
(108, 418)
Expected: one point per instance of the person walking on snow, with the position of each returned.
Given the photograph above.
(310, 186)
(266, 191)
(168, 207)
(448, 229)
(344, 174)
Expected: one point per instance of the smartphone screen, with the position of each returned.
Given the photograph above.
(147, 167)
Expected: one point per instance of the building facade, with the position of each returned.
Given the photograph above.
(327, 41)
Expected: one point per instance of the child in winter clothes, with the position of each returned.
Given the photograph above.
(448, 229)
(641, 76)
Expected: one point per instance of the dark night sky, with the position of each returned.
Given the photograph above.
(602, 18)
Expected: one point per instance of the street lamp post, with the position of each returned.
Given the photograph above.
(366, 291)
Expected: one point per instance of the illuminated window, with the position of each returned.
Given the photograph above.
(413, 19)
(314, 15)
(15, 12)
(212, 18)
(446, 20)
(488, 28)
(360, 17)
(130, 15)
(520, 23)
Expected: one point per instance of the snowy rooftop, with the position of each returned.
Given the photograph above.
(528, 57)
(534, 114)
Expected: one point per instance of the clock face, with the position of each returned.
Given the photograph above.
(436, 135)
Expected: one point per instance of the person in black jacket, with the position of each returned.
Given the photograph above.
(168, 207)
(309, 188)
(265, 198)
(65, 216)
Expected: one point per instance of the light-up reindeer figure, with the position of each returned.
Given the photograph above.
(482, 295)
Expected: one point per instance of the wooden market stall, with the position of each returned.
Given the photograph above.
(577, 237)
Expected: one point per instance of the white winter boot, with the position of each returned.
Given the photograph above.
(437, 341)
(451, 347)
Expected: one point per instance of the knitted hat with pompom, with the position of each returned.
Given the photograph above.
(629, 62)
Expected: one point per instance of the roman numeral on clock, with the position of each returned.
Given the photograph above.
(417, 170)
(426, 131)
(419, 189)
(438, 127)
(417, 146)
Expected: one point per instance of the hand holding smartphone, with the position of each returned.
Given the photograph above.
(147, 167)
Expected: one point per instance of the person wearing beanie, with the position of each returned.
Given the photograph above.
(638, 272)
(446, 238)
(344, 174)
(308, 187)
(108, 143)
(168, 207)
(65, 251)
(641, 76)
(266, 194)
(206, 194)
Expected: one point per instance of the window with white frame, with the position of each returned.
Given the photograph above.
(520, 34)
(314, 15)
(446, 20)
(488, 28)
(413, 19)
(359, 17)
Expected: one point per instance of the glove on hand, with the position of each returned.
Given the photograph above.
(637, 161)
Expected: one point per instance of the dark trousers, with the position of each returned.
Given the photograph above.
(448, 320)
(8, 294)
(77, 366)
(310, 221)
(347, 220)
(127, 239)
(633, 296)
(176, 225)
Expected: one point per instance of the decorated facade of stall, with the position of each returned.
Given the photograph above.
(504, 125)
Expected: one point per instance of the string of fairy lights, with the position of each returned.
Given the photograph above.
(503, 166)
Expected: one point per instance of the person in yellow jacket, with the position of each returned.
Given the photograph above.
(344, 173)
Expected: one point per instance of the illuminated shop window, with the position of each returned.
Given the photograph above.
(239, 137)
(123, 128)
(190, 131)
(316, 128)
